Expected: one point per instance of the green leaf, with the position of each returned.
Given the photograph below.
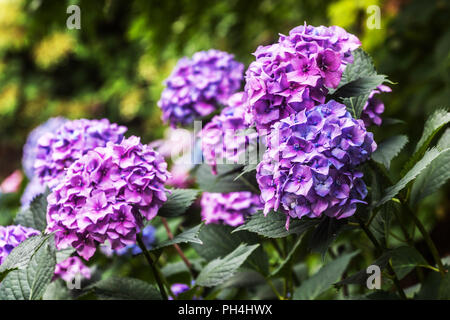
(274, 225)
(20, 256)
(389, 149)
(444, 141)
(324, 278)
(221, 269)
(392, 191)
(381, 223)
(178, 201)
(360, 86)
(404, 259)
(115, 288)
(220, 240)
(286, 264)
(361, 68)
(432, 178)
(190, 235)
(30, 283)
(361, 276)
(325, 233)
(36, 215)
(57, 290)
(224, 181)
(247, 169)
(432, 126)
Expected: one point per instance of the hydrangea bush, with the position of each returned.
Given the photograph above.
(285, 193)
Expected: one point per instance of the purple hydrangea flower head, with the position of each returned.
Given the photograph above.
(105, 195)
(309, 167)
(31, 145)
(374, 107)
(293, 74)
(70, 268)
(148, 237)
(59, 149)
(221, 138)
(229, 208)
(198, 84)
(11, 237)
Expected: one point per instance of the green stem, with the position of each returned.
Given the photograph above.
(153, 267)
(429, 242)
(272, 286)
(379, 248)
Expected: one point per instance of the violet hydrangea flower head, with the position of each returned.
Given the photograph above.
(58, 150)
(70, 268)
(198, 84)
(30, 147)
(220, 138)
(309, 167)
(229, 208)
(11, 237)
(105, 195)
(294, 73)
(374, 107)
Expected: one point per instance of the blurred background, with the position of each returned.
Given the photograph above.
(114, 66)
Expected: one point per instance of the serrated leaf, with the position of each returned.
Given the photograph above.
(324, 278)
(359, 86)
(224, 181)
(389, 149)
(30, 283)
(381, 223)
(178, 201)
(35, 216)
(404, 259)
(115, 288)
(432, 126)
(432, 178)
(444, 141)
(21, 255)
(190, 235)
(220, 240)
(392, 191)
(274, 225)
(221, 269)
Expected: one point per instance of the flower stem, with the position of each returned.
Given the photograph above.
(178, 249)
(379, 248)
(152, 264)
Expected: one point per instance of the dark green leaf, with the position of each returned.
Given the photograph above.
(115, 288)
(178, 201)
(221, 269)
(36, 215)
(220, 240)
(190, 235)
(324, 278)
(274, 225)
(389, 149)
(405, 259)
(324, 234)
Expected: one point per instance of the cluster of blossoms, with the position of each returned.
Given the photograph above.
(31, 145)
(105, 195)
(220, 137)
(56, 151)
(197, 85)
(70, 268)
(148, 238)
(309, 166)
(374, 107)
(11, 237)
(294, 73)
(229, 208)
